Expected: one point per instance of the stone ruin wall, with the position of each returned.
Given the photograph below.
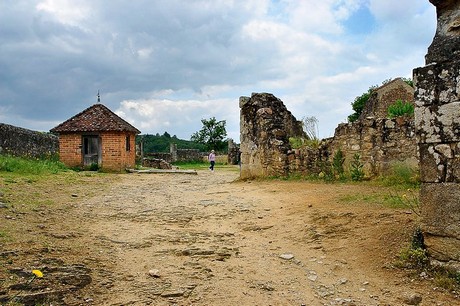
(27, 143)
(265, 128)
(381, 144)
(437, 117)
(382, 97)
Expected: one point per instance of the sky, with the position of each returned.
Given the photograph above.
(164, 65)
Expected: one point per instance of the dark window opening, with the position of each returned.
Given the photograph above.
(128, 143)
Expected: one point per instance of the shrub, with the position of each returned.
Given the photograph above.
(337, 164)
(400, 108)
(414, 258)
(356, 168)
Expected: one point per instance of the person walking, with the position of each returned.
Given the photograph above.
(212, 160)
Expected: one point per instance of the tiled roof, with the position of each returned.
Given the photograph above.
(96, 118)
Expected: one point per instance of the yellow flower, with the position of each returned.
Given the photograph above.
(37, 273)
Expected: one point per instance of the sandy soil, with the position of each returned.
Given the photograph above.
(208, 239)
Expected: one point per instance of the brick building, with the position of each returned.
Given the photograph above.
(97, 136)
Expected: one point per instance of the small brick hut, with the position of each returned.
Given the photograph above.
(97, 136)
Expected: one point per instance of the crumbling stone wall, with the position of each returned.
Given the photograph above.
(265, 128)
(384, 96)
(156, 163)
(233, 155)
(380, 142)
(23, 142)
(437, 115)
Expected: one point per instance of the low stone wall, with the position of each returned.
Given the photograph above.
(186, 155)
(381, 143)
(27, 143)
(266, 126)
(156, 163)
(181, 155)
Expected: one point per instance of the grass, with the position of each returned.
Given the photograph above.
(401, 175)
(30, 166)
(204, 166)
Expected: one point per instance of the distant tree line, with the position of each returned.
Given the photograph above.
(161, 143)
(210, 137)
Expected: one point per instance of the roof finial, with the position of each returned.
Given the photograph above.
(98, 97)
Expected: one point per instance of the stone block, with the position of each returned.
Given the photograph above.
(440, 163)
(440, 207)
(437, 83)
(443, 248)
(438, 123)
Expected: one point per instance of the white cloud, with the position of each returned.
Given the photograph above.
(66, 11)
(163, 65)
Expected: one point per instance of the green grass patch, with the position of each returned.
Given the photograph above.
(2, 234)
(191, 165)
(199, 165)
(30, 166)
(402, 176)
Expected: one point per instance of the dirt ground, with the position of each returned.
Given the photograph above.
(205, 239)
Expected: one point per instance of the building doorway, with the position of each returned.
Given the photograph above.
(92, 151)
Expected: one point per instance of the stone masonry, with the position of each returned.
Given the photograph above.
(382, 143)
(265, 128)
(437, 116)
(382, 97)
(26, 143)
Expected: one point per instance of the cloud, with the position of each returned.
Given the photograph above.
(163, 65)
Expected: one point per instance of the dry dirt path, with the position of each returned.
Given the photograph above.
(206, 239)
(163, 239)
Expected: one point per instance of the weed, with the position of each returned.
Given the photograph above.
(356, 168)
(446, 280)
(409, 199)
(402, 175)
(400, 108)
(3, 235)
(414, 258)
(337, 165)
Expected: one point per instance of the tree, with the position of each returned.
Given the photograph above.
(358, 104)
(211, 134)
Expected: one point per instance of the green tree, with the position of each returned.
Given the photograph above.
(358, 104)
(212, 134)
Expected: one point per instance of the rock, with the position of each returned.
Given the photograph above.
(412, 299)
(154, 273)
(74, 195)
(175, 293)
(287, 256)
(342, 301)
(312, 276)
